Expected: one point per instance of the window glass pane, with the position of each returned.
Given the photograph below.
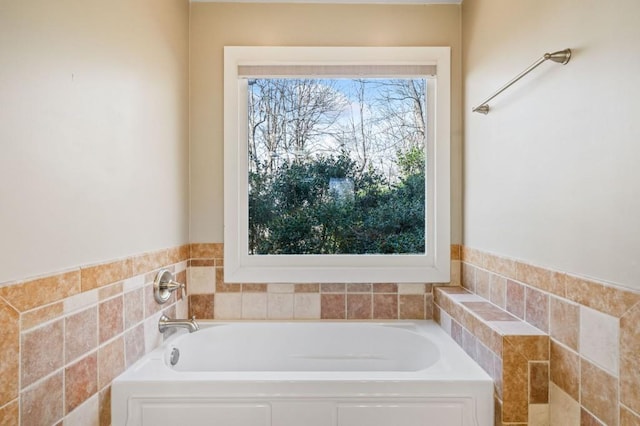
(336, 166)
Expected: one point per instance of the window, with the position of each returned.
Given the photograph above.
(336, 164)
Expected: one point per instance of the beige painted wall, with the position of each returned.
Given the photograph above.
(551, 175)
(93, 131)
(214, 25)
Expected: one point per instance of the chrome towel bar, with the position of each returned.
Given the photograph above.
(561, 57)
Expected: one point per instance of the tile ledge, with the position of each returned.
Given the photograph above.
(517, 327)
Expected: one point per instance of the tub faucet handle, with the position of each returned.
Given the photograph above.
(164, 285)
(174, 285)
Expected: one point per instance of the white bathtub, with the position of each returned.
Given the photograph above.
(306, 374)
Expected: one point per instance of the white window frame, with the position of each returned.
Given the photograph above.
(240, 266)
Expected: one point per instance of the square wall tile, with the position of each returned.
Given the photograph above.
(537, 308)
(333, 306)
(469, 343)
(515, 298)
(151, 307)
(385, 306)
(86, 414)
(134, 345)
(81, 333)
(182, 308)
(498, 291)
(110, 318)
(80, 381)
(484, 357)
(599, 339)
(411, 306)
(563, 410)
(42, 352)
(201, 280)
(565, 369)
(306, 306)
(538, 382)
(280, 305)
(359, 306)
(133, 307)
(41, 405)
(599, 392)
(445, 321)
(228, 305)
(152, 337)
(538, 415)
(564, 322)
(202, 306)
(254, 305)
(483, 284)
(110, 362)
(456, 332)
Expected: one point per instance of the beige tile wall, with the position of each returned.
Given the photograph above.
(594, 331)
(65, 337)
(211, 297)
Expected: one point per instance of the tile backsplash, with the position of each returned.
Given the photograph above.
(211, 297)
(66, 336)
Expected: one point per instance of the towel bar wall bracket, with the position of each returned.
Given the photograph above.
(560, 57)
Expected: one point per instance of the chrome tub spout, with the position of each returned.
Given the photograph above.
(164, 323)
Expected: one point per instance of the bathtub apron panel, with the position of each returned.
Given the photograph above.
(306, 374)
